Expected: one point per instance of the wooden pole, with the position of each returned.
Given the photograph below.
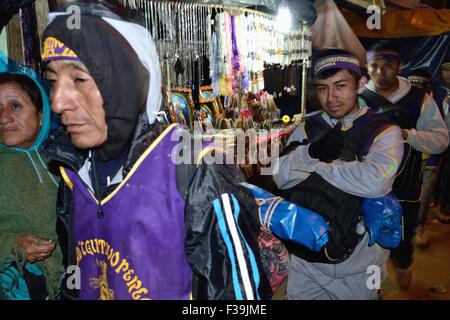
(15, 39)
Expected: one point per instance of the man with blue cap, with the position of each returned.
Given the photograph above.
(416, 112)
(336, 158)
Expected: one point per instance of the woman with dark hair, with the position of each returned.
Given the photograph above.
(30, 263)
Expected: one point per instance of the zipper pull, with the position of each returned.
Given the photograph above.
(100, 213)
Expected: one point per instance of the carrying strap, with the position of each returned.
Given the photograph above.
(376, 99)
(408, 107)
(274, 202)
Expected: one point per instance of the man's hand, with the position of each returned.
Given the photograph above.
(8, 8)
(329, 147)
(36, 248)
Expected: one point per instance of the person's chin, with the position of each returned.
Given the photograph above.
(83, 141)
(11, 139)
(385, 86)
(10, 143)
(79, 141)
(336, 114)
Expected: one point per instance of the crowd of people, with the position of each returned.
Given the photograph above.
(96, 186)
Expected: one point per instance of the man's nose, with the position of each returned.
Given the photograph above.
(331, 94)
(381, 71)
(62, 97)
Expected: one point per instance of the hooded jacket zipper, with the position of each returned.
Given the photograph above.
(98, 196)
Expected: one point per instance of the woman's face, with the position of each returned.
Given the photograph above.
(19, 119)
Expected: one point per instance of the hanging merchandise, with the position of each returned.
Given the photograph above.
(255, 43)
(230, 49)
(182, 36)
(236, 42)
(223, 26)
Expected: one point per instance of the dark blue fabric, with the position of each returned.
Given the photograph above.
(439, 94)
(105, 170)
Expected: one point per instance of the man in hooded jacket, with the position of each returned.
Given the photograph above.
(123, 201)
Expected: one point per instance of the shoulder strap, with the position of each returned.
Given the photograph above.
(404, 113)
(374, 100)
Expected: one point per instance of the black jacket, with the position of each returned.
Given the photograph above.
(222, 228)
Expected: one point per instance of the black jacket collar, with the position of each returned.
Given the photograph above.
(59, 146)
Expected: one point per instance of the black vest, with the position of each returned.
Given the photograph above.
(405, 113)
(341, 210)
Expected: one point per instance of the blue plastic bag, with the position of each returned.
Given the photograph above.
(383, 220)
(289, 221)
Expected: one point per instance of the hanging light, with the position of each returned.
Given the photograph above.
(284, 18)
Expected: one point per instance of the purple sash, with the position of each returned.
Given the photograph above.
(137, 250)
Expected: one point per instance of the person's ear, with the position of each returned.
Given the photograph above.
(362, 84)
